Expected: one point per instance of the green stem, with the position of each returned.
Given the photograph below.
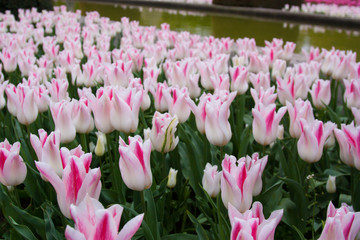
(163, 163)
(83, 142)
(114, 168)
(221, 229)
(143, 205)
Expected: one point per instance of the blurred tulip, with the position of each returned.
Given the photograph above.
(58, 89)
(313, 136)
(252, 225)
(260, 80)
(331, 184)
(278, 69)
(135, 163)
(321, 93)
(356, 114)
(93, 222)
(172, 178)
(266, 97)
(12, 167)
(162, 134)
(266, 123)
(341, 223)
(177, 103)
(81, 115)
(238, 182)
(352, 93)
(239, 79)
(2, 90)
(77, 181)
(8, 59)
(211, 180)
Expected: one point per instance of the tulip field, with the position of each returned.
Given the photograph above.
(112, 130)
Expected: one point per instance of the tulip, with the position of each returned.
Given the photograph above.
(238, 182)
(331, 184)
(252, 224)
(341, 223)
(300, 109)
(352, 93)
(177, 103)
(288, 51)
(159, 99)
(124, 114)
(81, 115)
(278, 69)
(258, 63)
(61, 114)
(349, 147)
(162, 134)
(321, 93)
(8, 59)
(172, 178)
(100, 144)
(266, 97)
(93, 221)
(206, 71)
(135, 163)
(250, 163)
(101, 106)
(47, 149)
(42, 98)
(291, 88)
(118, 73)
(239, 80)
(77, 180)
(21, 103)
(12, 167)
(266, 123)
(2, 98)
(313, 136)
(58, 89)
(260, 80)
(211, 180)
(356, 114)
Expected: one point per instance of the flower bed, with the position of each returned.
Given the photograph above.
(166, 135)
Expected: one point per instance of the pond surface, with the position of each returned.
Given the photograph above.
(229, 26)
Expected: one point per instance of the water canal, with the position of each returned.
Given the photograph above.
(229, 26)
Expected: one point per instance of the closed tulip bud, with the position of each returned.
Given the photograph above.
(278, 69)
(177, 103)
(12, 167)
(172, 178)
(341, 223)
(81, 115)
(93, 221)
(135, 163)
(352, 93)
(211, 180)
(162, 133)
(61, 114)
(239, 79)
(100, 144)
(331, 184)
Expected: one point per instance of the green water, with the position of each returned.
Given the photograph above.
(228, 26)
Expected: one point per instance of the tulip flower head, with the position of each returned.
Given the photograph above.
(266, 123)
(162, 133)
(252, 224)
(172, 178)
(211, 180)
(341, 223)
(93, 221)
(311, 142)
(135, 163)
(331, 184)
(238, 182)
(12, 167)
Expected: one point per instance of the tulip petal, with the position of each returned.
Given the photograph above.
(130, 228)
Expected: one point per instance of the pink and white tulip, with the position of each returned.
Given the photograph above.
(341, 223)
(77, 180)
(352, 93)
(162, 133)
(93, 221)
(12, 167)
(238, 182)
(81, 115)
(211, 180)
(300, 110)
(177, 103)
(135, 163)
(313, 136)
(321, 93)
(266, 123)
(252, 225)
(61, 114)
(239, 79)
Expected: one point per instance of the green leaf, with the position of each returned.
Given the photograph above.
(180, 236)
(50, 230)
(151, 215)
(22, 229)
(199, 229)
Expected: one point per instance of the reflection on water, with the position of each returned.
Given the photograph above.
(229, 26)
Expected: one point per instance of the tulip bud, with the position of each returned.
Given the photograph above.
(331, 184)
(100, 144)
(211, 180)
(172, 178)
